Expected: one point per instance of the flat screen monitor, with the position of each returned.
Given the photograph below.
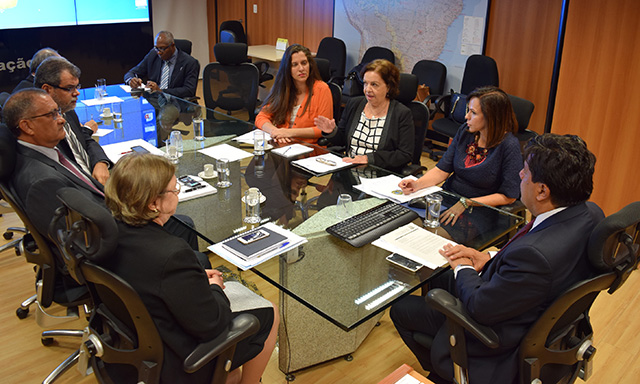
(18, 14)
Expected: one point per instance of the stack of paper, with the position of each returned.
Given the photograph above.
(247, 138)
(291, 241)
(292, 150)
(387, 188)
(190, 193)
(415, 243)
(225, 151)
(115, 151)
(322, 164)
(104, 100)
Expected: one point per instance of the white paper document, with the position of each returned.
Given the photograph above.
(293, 241)
(104, 100)
(190, 193)
(415, 243)
(115, 151)
(386, 187)
(225, 151)
(292, 150)
(322, 164)
(247, 138)
(102, 132)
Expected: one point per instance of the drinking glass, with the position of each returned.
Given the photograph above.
(174, 146)
(222, 166)
(343, 207)
(252, 205)
(258, 142)
(433, 203)
(198, 129)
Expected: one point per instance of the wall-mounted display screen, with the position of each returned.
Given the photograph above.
(18, 14)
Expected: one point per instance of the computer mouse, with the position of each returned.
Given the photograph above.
(418, 202)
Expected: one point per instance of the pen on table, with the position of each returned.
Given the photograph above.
(194, 188)
(271, 249)
(124, 153)
(286, 150)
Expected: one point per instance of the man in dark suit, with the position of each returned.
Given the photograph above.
(61, 80)
(511, 290)
(42, 169)
(36, 60)
(167, 69)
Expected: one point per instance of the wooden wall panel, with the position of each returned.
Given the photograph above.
(275, 18)
(597, 89)
(522, 37)
(318, 22)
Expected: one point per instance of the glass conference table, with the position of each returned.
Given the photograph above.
(332, 294)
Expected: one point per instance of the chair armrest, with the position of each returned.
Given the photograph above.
(263, 67)
(242, 327)
(442, 104)
(412, 169)
(451, 307)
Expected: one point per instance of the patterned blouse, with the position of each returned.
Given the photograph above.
(366, 136)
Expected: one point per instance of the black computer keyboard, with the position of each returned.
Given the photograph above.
(369, 225)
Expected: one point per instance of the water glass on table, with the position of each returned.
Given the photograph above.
(222, 166)
(344, 207)
(174, 146)
(198, 129)
(252, 205)
(258, 142)
(433, 204)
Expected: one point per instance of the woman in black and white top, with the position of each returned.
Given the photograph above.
(376, 129)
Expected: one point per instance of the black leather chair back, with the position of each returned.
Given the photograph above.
(335, 51)
(408, 86)
(232, 31)
(183, 45)
(432, 74)
(479, 71)
(376, 52)
(336, 92)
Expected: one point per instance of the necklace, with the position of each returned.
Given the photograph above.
(379, 111)
(476, 154)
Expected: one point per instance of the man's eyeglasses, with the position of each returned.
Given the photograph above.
(53, 114)
(68, 89)
(162, 49)
(176, 191)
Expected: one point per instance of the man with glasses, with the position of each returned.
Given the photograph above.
(61, 80)
(41, 169)
(166, 69)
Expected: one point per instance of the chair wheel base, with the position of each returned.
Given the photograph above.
(290, 377)
(7, 235)
(47, 341)
(22, 312)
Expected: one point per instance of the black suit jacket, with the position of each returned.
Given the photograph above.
(173, 286)
(24, 84)
(94, 150)
(36, 180)
(184, 78)
(395, 149)
(516, 287)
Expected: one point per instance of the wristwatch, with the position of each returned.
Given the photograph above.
(464, 203)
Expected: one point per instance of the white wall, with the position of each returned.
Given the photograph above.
(186, 19)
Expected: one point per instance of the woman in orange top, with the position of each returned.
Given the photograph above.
(297, 97)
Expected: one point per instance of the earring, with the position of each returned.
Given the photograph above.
(155, 210)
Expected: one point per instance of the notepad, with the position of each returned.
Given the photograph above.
(322, 165)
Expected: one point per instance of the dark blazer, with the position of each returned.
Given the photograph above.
(37, 178)
(24, 84)
(184, 78)
(396, 144)
(516, 287)
(94, 150)
(187, 310)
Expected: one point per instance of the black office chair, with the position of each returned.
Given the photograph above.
(324, 67)
(408, 86)
(231, 83)
(52, 286)
(523, 109)
(121, 331)
(183, 45)
(558, 347)
(232, 31)
(479, 71)
(354, 81)
(335, 51)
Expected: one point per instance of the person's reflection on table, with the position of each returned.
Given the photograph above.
(279, 183)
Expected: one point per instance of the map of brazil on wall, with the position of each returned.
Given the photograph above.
(444, 30)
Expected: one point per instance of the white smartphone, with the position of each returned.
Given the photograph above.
(403, 262)
(253, 236)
